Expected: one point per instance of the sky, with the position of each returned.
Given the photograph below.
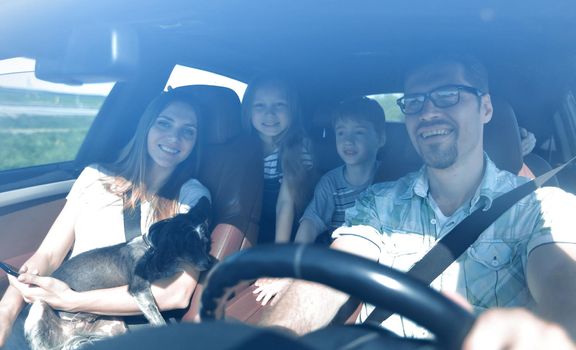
(182, 75)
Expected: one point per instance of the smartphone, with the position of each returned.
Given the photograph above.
(9, 269)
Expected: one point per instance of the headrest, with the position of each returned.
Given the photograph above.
(502, 137)
(321, 133)
(221, 107)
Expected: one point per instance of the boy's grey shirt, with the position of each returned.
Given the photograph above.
(332, 196)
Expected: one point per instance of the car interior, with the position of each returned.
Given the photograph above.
(331, 51)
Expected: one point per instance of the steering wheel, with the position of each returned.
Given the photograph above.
(361, 278)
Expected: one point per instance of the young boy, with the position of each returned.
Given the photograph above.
(359, 126)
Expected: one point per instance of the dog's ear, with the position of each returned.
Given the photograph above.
(202, 207)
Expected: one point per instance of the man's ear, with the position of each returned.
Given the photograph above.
(382, 142)
(486, 108)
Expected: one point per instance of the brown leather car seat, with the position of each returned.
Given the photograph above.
(504, 118)
(502, 137)
(323, 139)
(230, 170)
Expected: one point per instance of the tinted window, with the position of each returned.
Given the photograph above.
(40, 122)
(182, 75)
(391, 109)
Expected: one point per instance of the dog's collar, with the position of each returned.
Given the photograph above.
(149, 244)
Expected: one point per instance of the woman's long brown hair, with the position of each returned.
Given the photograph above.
(129, 170)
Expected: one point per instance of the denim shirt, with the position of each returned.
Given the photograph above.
(399, 218)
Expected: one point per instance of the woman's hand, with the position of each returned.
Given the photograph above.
(270, 289)
(52, 291)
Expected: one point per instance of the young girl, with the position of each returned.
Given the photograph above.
(152, 172)
(271, 109)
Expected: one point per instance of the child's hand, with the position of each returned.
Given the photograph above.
(528, 141)
(270, 289)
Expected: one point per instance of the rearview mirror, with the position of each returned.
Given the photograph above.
(93, 54)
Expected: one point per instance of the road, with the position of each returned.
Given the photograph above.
(16, 111)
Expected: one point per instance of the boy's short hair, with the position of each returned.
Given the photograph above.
(360, 108)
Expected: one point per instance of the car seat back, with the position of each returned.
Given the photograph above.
(539, 166)
(398, 156)
(229, 169)
(502, 137)
(504, 113)
(324, 140)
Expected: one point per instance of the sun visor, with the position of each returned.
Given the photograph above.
(93, 54)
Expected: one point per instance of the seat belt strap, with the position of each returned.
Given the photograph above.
(132, 219)
(461, 237)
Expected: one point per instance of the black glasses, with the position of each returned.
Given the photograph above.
(442, 97)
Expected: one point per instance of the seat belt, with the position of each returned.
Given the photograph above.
(132, 218)
(454, 243)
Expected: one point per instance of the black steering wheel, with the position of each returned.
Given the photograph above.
(361, 278)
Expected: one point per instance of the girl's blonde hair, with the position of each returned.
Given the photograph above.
(292, 143)
(129, 170)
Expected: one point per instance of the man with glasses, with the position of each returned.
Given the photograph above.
(524, 259)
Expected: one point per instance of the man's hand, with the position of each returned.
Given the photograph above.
(270, 289)
(54, 292)
(515, 329)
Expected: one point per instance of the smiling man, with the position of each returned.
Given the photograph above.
(521, 260)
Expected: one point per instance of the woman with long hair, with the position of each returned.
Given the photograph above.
(153, 175)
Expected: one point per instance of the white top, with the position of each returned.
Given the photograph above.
(100, 223)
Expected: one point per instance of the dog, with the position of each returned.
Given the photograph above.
(183, 239)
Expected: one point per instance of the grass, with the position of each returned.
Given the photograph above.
(23, 150)
(21, 97)
(27, 121)
(28, 139)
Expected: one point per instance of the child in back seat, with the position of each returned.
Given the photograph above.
(270, 108)
(359, 126)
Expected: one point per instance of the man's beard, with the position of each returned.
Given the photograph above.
(438, 158)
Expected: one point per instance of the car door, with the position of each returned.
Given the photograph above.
(42, 128)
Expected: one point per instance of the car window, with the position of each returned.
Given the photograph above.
(183, 75)
(391, 109)
(566, 124)
(42, 123)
